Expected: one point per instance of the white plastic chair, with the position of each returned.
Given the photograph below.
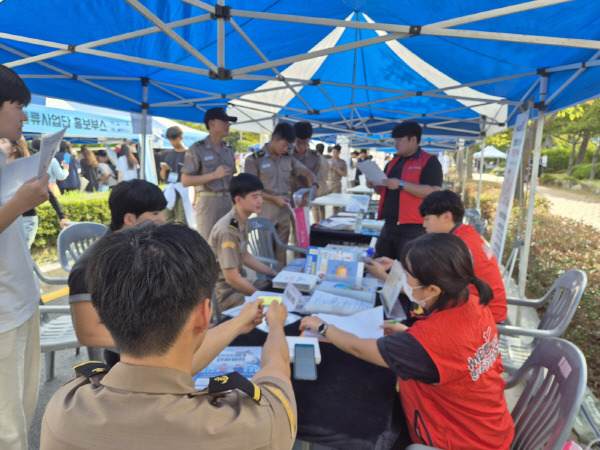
(56, 334)
(517, 343)
(556, 374)
(261, 239)
(75, 239)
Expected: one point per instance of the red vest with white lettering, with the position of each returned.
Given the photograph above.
(467, 408)
(408, 211)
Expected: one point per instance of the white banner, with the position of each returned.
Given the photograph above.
(507, 194)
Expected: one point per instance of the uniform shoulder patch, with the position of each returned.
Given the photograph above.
(231, 381)
(228, 244)
(234, 224)
(259, 154)
(91, 368)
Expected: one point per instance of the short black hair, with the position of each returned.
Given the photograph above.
(408, 129)
(320, 148)
(303, 130)
(452, 271)
(145, 281)
(174, 132)
(439, 202)
(243, 184)
(363, 151)
(12, 88)
(136, 197)
(285, 131)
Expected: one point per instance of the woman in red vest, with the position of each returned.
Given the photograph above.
(448, 365)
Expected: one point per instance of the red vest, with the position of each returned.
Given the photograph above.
(485, 267)
(467, 408)
(408, 211)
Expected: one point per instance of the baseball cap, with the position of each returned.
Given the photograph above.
(218, 113)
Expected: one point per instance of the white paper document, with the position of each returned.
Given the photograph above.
(372, 171)
(324, 302)
(48, 148)
(364, 324)
(13, 175)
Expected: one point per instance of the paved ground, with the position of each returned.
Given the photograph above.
(567, 203)
(573, 205)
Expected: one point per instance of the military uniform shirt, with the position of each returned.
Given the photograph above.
(140, 407)
(312, 161)
(335, 177)
(274, 173)
(228, 241)
(203, 158)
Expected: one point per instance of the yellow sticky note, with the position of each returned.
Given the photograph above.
(267, 300)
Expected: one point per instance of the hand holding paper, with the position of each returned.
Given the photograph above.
(250, 316)
(32, 193)
(372, 171)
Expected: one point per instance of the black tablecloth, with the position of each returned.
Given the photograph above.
(320, 237)
(352, 405)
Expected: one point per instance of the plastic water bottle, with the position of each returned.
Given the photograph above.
(358, 227)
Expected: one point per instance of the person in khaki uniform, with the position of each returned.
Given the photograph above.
(313, 162)
(337, 169)
(228, 241)
(179, 207)
(319, 211)
(274, 166)
(158, 312)
(209, 165)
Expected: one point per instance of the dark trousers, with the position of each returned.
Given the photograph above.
(393, 238)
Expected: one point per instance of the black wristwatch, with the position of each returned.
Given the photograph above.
(322, 328)
(401, 185)
(317, 185)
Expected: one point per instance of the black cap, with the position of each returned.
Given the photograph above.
(217, 113)
(407, 129)
(101, 153)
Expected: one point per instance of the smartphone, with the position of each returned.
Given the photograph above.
(305, 366)
(67, 158)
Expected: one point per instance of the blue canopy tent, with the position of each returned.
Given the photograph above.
(462, 69)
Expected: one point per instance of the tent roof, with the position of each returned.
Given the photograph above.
(490, 152)
(459, 68)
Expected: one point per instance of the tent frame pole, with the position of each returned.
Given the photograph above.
(524, 261)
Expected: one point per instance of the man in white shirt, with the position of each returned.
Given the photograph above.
(19, 289)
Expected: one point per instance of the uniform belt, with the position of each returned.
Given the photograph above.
(213, 194)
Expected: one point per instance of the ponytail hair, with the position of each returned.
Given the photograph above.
(485, 291)
(443, 260)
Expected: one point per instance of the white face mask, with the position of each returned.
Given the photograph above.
(408, 290)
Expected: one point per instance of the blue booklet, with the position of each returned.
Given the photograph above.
(245, 360)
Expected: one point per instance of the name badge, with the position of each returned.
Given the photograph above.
(209, 158)
(266, 165)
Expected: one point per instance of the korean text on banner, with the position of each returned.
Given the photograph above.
(507, 193)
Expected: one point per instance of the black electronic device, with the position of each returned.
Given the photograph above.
(305, 366)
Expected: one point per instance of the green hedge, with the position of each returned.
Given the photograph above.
(77, 207)
(582, 171)
(558, 158)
